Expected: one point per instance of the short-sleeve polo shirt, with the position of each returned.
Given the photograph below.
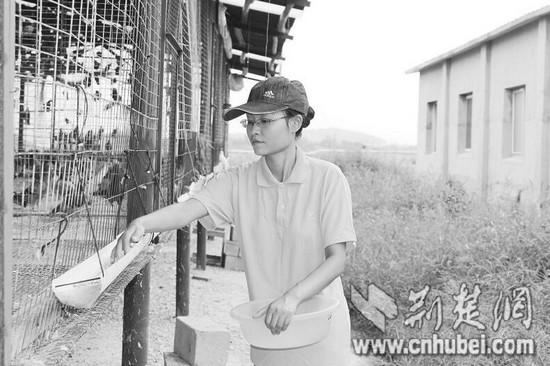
(283, 229)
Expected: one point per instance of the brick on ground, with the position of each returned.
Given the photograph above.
(200, 341)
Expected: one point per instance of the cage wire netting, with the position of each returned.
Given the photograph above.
(179, 168)
(214, 90)
(206, 58)
(220, 99)
(88, 95)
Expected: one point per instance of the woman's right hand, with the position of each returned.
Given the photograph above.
(132, 235)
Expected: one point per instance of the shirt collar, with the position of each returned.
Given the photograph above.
(265, 178)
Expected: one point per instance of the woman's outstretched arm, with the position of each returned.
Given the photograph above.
(167, 218)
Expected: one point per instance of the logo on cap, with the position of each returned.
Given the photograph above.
(269, 94)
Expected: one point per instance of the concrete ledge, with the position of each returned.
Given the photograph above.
(201, 342)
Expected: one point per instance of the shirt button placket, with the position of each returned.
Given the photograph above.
(280, 211)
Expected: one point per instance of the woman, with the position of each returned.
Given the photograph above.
(293, 218)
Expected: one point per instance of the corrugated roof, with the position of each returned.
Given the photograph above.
(499, 32)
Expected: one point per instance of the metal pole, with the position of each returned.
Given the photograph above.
(183, 273)
(160, 109)
(7, 50)
(201, 246)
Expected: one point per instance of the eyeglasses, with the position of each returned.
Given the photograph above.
(262, 122)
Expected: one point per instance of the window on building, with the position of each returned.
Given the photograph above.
(465, 122)
(514, 121)
(431, 127)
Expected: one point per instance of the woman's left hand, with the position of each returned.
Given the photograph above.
(279, 313)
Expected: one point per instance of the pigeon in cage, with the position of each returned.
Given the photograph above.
(89, 140)
(70, 188)
(78, 138)
(112, 184)
(72, 197)
(25, 193)
(97, 139)
(23, 198)
(53, 185)
(25, 116)
(32, 180)
(114, 94)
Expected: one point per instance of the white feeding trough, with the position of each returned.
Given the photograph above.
(82, 285)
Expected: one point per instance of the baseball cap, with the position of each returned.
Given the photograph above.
(272, 95)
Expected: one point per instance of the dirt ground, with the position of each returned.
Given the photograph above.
(101, 345)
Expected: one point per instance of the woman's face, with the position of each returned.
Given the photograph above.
(269, 133)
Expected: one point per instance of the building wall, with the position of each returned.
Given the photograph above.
(465, 77)
(516, 59)
(431, 90)
(513, 63)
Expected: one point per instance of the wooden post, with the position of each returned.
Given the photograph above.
(201, 246)
(183, 275)
(135, 318)
(7, 50)
(183, 245)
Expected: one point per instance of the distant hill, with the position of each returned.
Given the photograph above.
(326, 138)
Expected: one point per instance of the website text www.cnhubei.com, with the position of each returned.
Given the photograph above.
(445, 346)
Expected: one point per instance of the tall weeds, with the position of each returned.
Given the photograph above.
(416, 230)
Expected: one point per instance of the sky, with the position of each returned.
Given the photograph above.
(352, 57)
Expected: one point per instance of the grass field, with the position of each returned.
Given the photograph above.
(415, 231)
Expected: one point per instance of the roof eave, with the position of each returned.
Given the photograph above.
(477, 42)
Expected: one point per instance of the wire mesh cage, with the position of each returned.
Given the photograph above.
(73, 86)
(88, 93)
(206, 25)
(178, 169)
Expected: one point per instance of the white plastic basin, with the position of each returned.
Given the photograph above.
(310, 324)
